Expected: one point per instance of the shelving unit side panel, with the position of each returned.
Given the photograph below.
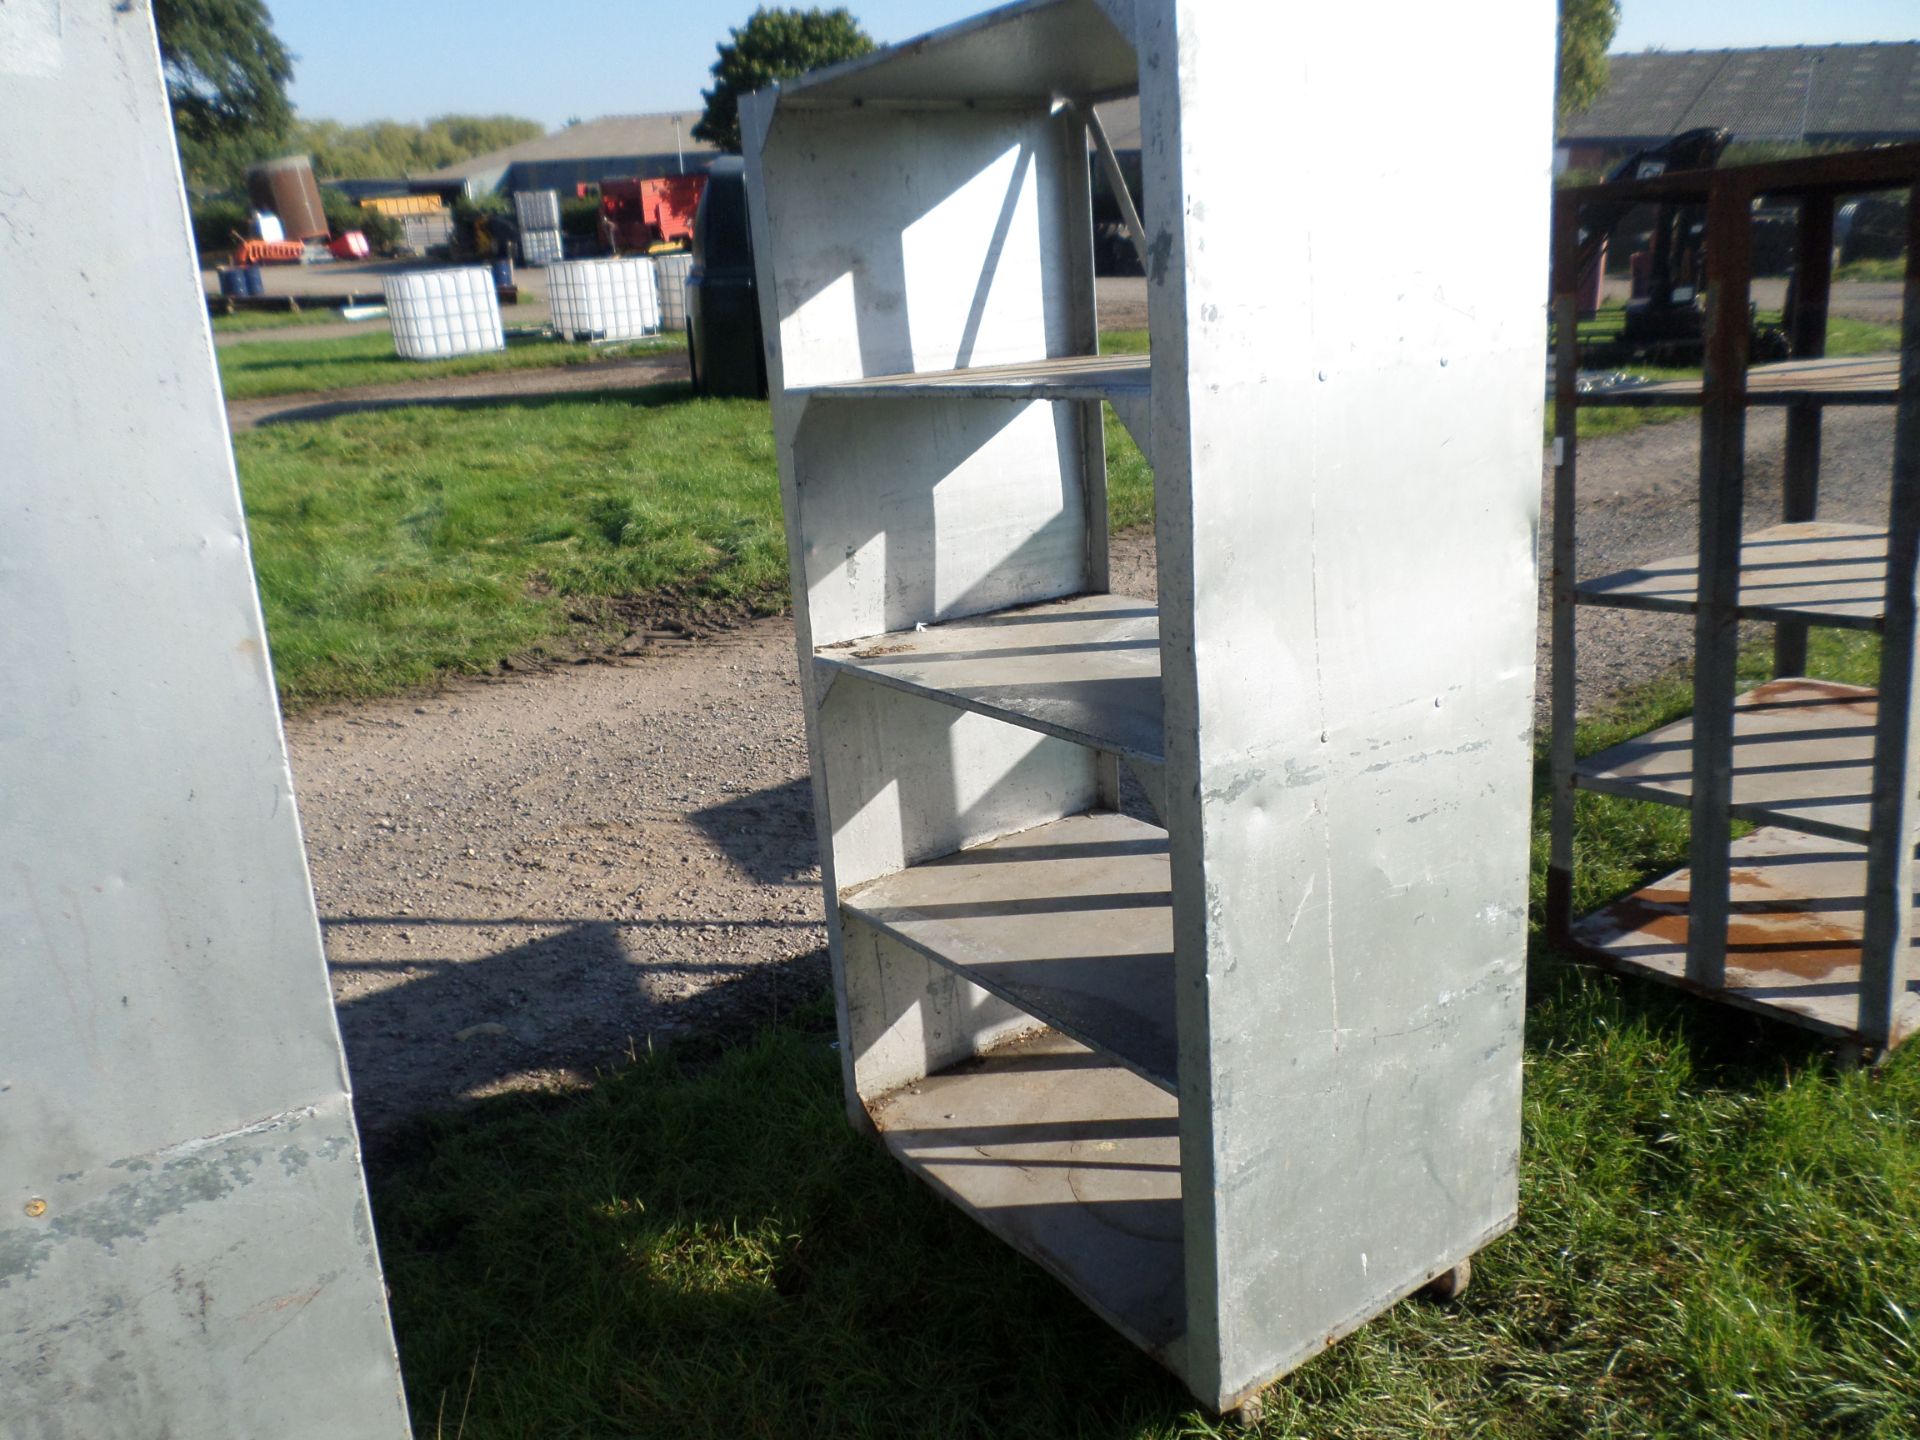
(908, 1017)
(913, 511)
(1357, 466)
(924, 240)
(908, 779)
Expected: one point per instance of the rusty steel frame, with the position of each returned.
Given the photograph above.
(1885, 1016)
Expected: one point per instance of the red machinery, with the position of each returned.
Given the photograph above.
(643, 214)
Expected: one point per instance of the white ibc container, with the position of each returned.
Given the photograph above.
(537, 209)
(541, 247)
(671, 273)
(604, 299)
(437, 313)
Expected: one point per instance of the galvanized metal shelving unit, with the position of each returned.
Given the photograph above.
(1246, 1076)
(1809, 918)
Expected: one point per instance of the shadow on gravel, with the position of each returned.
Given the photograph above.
(768, 834)
(586, 995)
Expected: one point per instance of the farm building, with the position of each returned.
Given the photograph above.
(1787, 94)
(612, 147)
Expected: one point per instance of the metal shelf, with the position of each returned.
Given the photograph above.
(1074, 1163)
(1843, 380)
(1072, 921)
(1819, 571)
(1086, 669)
(1793, 942)
(1802, 758)
(1114, 378)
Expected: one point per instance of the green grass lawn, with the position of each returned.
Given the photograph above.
(1719, 1235)
(396, 548)
(292, 367)
(1893, 268)
(243, 321)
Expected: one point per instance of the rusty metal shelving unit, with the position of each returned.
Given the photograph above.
(1809, 918)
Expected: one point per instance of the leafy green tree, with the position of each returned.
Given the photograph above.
(1586, 30)
(773, 45)
(390, 147)
(227, 75)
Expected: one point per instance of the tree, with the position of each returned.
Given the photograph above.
(773, 45)
(1586, 30)
(383, 148)
(227, 75)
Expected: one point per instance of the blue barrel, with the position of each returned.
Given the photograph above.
(232, 281)
(502, 270)
(256, 283)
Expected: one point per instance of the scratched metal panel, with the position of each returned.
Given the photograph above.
(1346, 433)
(184, 1238)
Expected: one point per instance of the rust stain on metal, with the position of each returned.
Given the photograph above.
(1764, 938)
(1817, 695)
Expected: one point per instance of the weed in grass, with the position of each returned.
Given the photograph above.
(1719, 1235)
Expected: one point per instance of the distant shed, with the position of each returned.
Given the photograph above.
(1793, 94)
(612, 147)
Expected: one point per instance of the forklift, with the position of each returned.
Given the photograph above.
(1667, 324)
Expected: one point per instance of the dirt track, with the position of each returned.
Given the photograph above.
(523, 878)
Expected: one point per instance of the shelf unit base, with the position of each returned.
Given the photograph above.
(1793, 947)
(1072, 1161)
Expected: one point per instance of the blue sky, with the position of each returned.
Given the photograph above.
(375, 59)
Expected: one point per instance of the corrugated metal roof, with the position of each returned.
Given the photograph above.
(1775, 93)
(608, 137)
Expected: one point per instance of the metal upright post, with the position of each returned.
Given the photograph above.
(1090, 414)
(1723, 416)
(1807, 332)
(1566, 245)
(1890, 835)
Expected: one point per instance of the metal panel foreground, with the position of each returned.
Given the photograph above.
(1244, 1078)
(185, 1245)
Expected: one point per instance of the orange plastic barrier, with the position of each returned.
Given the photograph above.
(269, 252)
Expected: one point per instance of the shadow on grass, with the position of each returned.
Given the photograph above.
(648, 396)
(701, 1246)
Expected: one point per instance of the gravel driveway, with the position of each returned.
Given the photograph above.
(526, 878)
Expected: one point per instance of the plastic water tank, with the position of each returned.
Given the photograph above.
(670, 274)
(537, 209)
(541, 247)
(438, 313)
(604, 299)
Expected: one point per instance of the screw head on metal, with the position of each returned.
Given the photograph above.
(36, 1208)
